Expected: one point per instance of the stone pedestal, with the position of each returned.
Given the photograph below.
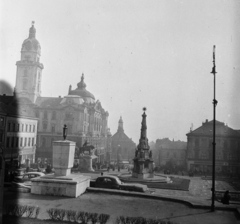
(143, 169)
(70, 186)
(63, 156)
(85, 162)
(62, 183)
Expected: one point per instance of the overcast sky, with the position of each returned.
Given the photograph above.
(134, 54)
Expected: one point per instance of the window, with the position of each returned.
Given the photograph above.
(33, 128)
(1, 136)
(45, 115)
(37, 113)
(210, 143)
(13, 138)
(197, 143)
(32, 141)
(22, 127)
(70, 129)
(43, 142)
(44, 125)
(17, 140)
(68, 116)
(225, 144)
(53, 128)
(18, 126)
(25, 72)
(8, 142)
(25, 82)
(30, 128)
(9, 126)
(26, 128)
(25, 142)
(203, 155)
(29, 141)
(21, 142)
(13, 127)
(1, 121)
(54, 115)
(219, 155)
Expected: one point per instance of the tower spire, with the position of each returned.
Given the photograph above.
(144, 125)
(120, 124)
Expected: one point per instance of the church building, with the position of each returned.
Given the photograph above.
(123, 148)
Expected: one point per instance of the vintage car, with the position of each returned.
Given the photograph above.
(25, 179)
(113, 182)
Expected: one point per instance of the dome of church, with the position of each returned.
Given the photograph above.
(81, 91)
(31, 43)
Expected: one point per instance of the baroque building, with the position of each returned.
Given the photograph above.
(79, 110)
(123, 148)
(199, 148)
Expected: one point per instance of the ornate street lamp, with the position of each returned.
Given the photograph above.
(214, 123)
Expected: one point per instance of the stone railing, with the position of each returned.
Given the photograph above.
(235, 195)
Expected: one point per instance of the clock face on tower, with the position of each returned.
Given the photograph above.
(28, 46)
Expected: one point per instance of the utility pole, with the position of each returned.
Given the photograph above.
(214, 126)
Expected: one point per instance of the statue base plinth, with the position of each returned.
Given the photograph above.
(85, 162)
(70, 186)
(142, 175)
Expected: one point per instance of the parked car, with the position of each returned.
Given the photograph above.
(113, 182)
(26, 178)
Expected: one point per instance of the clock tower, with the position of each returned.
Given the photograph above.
(29, 68)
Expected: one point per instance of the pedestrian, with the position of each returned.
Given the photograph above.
(108, 168)
(101, 174)
(226, 198)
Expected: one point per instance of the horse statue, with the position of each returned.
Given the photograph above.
(86, 147)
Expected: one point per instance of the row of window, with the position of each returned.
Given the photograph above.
(219, 156)
(19, 142)
(45, 115)
(53, 129)
(224, 143)
(16, 127)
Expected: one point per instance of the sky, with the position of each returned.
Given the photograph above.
(134, 54)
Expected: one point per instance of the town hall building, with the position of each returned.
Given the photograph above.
(84, 116)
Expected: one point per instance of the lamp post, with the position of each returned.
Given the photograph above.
(214, 123)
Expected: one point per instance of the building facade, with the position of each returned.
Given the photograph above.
(199, 148)
(18, 134)
(79, 110)
(167, 150)
(123, 148)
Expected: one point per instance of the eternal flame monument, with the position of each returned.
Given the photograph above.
(143, 170)
(62, 183)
